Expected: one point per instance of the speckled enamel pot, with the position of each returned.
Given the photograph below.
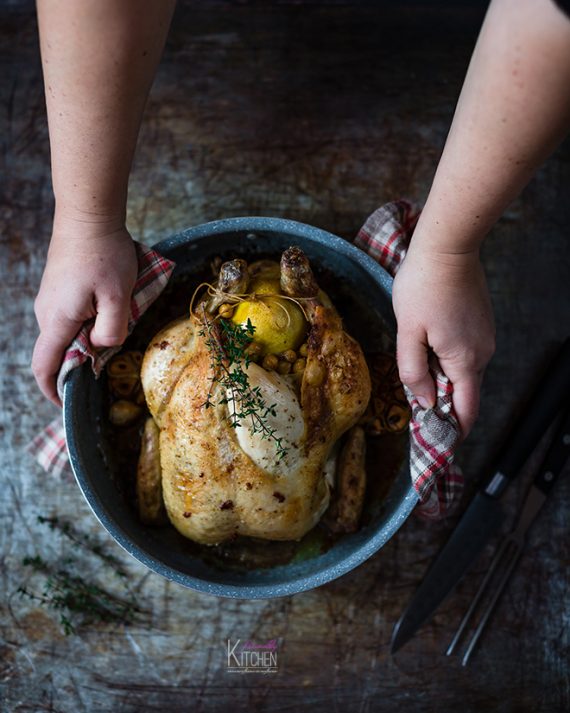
(249, 237)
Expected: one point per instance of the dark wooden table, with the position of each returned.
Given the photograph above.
(317, 112)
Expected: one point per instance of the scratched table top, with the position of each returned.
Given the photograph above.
(320, 113)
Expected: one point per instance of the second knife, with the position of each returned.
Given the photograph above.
(484, 515)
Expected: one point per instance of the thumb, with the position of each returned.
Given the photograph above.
(412, 357)
(110, 328)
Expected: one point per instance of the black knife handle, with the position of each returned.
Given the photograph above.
(549, 396)
(556, 457)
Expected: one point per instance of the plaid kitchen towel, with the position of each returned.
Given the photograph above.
(434, 433)
(49, 447)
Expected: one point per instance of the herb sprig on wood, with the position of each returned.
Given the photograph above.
(79, 601)
(227, 343)
(84, 541)
(72, 596)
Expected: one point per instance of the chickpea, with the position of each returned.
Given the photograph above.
(284, 367)
(304, 349)
(226, 310)
(270, 362)
(299, 366)
(290, 356)
(254, 350)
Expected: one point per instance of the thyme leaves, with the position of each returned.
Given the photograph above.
(227, 343)
(78, 600)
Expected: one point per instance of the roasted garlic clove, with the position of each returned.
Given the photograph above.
(123, 413)
(124, 374)
(124, 387)
(125, 364)
(388, 410)
(397, 418)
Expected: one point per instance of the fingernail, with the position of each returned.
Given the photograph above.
(423, 402)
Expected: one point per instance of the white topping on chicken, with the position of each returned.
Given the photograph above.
(285, 421)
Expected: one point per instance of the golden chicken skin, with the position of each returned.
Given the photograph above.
(242, 437)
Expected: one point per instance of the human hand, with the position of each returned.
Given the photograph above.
(90, 273)
(442, 304)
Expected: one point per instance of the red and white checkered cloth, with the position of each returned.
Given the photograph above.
(434, 433)
(49, 447)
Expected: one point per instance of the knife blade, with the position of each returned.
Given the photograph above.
(507, 555)
(484, 514)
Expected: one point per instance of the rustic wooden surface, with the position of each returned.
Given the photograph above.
(319, 113)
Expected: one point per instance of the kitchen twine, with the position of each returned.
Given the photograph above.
(434, 432)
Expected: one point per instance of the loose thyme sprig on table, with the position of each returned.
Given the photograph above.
(83, 540)
(227, 343)
(73, 596)
(79, 601)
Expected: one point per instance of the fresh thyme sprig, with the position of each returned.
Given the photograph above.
(227, 343)
(73, 596)
(83, 540)
(78, 600)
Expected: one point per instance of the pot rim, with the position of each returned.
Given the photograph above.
(304, 582)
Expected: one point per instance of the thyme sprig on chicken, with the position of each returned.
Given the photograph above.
(228, 343)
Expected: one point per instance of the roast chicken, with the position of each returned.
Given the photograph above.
(221, 476)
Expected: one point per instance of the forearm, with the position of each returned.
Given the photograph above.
(513, 111)
(99, 58)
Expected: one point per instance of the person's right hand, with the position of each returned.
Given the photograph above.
(90, 273)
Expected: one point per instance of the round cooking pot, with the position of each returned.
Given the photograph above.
(365, 305)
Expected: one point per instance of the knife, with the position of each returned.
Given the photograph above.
(508, 553)
(484, 514)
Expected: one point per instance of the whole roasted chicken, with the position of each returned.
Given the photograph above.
(247, 414)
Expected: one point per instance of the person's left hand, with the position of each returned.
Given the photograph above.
(442, 305)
